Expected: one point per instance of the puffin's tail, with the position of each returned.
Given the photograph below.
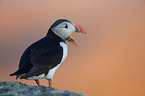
(17, 73)
(12, 74)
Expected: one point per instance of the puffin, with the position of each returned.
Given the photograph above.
(42, 58)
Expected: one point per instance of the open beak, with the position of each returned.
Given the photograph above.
(78, 29)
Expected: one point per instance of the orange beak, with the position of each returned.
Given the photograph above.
(78, 29)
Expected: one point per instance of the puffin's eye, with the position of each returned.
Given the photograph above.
(66, 26)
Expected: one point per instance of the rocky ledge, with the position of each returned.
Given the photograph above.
(14, 88)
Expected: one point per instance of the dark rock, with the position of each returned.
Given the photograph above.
(14, 88)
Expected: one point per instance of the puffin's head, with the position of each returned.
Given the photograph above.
(64, 29)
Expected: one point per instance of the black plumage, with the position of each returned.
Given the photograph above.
(41, 56)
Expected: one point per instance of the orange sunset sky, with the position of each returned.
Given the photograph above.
(110, 59)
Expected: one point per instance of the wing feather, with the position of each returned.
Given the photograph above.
(46, 56)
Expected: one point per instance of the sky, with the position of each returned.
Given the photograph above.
(110, 59)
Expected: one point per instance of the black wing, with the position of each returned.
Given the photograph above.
(46, 56)
(42, 56)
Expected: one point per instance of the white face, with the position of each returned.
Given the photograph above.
(63, 30)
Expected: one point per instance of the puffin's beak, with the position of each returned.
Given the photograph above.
(78, 29)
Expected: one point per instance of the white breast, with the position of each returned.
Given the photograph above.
(52, 71)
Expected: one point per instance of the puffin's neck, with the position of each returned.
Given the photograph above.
(53, 36)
